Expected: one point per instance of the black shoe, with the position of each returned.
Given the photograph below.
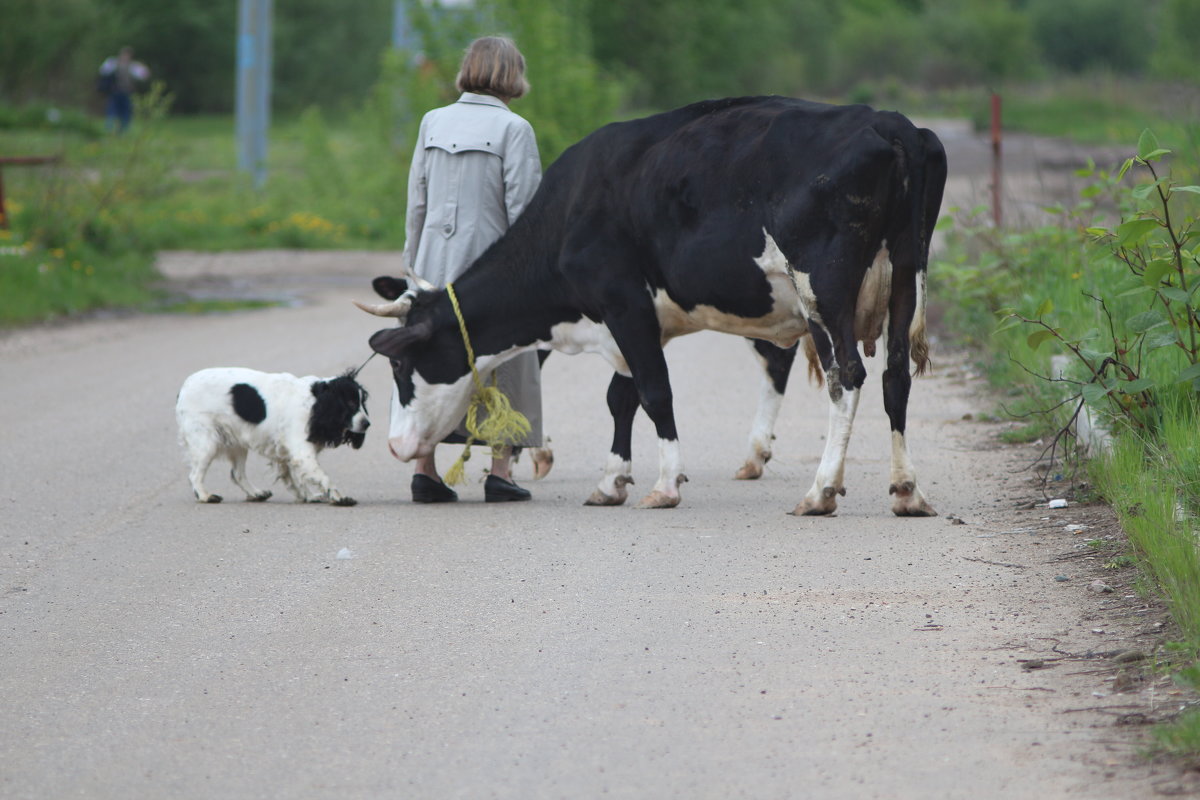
(498, 490)
(426, 490)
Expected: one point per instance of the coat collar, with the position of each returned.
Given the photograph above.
(482, 99)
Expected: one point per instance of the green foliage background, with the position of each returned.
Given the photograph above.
(665, 53)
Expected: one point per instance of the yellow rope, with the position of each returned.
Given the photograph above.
(504, 424)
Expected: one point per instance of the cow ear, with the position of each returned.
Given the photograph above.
(392, 342)
(389, 288)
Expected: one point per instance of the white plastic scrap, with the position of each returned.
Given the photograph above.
(345, 552)
(1058, 502)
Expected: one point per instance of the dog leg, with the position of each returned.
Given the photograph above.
(308, 473)
(237, 457)
(283, 471)
(201, 452)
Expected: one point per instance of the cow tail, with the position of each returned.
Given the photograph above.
(816, 375)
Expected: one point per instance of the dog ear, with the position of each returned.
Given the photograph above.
(392, 342)
(389, 288)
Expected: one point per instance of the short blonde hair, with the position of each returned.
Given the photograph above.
(493, 65)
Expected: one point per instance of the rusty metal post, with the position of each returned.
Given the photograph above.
(997, 193)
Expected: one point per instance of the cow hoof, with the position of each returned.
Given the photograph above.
(922, 509)
(750, 471)
(909, 502)
(543, 462)
(822, 506)
(258, 498)
(658, 499)
(599, 498)
(811, 509)
(214, 498)
(344, 502)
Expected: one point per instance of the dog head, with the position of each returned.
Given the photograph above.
(339, 414)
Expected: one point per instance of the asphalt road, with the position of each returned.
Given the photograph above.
(154, 647)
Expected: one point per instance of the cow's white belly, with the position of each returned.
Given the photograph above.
(586, 336)
(792, 304)
(784, 325)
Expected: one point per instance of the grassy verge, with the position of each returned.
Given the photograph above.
(1153, 483)
(1097, 109)
(83, 234)
(1100, 314)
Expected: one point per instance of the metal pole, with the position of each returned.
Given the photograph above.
(402, 38)
(253, 87)
(997, 172)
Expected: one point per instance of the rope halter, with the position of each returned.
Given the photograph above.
(502, 427)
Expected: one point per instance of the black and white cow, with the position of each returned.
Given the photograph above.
(776, 363)
(764, 217)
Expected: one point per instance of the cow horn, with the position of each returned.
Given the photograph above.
(398, 308)
(416, 280)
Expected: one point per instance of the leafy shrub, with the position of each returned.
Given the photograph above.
(1077, 35)
(1144, 345)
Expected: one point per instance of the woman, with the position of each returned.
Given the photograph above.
(475, 168)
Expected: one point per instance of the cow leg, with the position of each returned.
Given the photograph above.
(908, 500)
(777, 365)
(542, 457)
(844, 384)
(637, 333)
(623, 405)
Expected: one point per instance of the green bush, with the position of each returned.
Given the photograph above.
(43, 117)
(980, 41)
(1176, 55)
(1078, 35)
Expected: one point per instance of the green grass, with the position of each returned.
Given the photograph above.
(84, 233)
(1052, 276)
(1153, 483)
(214, 306)
(40, 284)
(1097, 109)
(1147, 479)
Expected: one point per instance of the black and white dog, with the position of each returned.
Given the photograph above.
(228, 411)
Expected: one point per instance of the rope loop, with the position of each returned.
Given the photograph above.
(502, 427)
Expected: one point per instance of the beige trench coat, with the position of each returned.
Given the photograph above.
(475, 168)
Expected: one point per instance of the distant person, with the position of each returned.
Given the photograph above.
(119, 76)
(475, 169)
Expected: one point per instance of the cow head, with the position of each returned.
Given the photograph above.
(429, 366)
